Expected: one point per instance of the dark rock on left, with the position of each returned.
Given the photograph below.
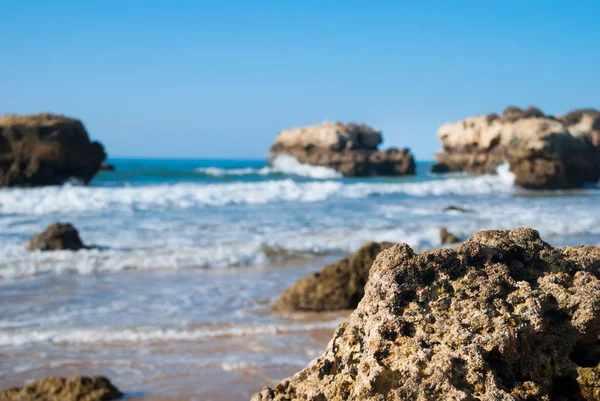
(79, 388)
(46, 149)
(58, 236)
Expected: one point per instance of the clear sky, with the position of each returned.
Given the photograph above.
(220, 79)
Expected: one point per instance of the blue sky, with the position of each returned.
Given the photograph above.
(220, 79)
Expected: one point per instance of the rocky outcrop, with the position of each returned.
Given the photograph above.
(543, 151)
(46, 149)
(583, 122)
(446, 237)
(337, 286)
(555, 161)
(80, 388)
(58, 236)
(350, 149)
(504, 316)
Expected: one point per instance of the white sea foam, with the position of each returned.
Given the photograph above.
(74, 200)
(506, 176)
(17, 263)
(282, 164)
(100, 335)
(288, 164)
(221, 172)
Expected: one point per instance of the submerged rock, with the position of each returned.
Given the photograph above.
(350, 149)
(447, 237)
(46, 149)
(452, 208)
(80, 388)
(504, 316)
(57, 236)
(337, 286)
(543, 151)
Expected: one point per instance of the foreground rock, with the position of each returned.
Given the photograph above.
(350, 149)
(504, 316)
(58, 236)
(81, 388)
(46, 149)
(543, 151)
(447, 237)
(337, 286)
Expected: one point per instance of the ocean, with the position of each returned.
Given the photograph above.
(173, 299)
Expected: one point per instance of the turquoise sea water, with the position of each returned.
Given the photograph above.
(173, 299)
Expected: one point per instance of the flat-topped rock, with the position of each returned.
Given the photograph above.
(350, 149)
(337, 286)
(332, 136)
(480, 144)
(46, 149)
(503, 316)
(80, 388)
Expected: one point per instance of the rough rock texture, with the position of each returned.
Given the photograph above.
(80, 388)
(350, 149)
(57, 236)
(557, 152)
(553, 162)
(447, 237)
(504, 316)
(583, 122)
(46, 149)
(337, 286)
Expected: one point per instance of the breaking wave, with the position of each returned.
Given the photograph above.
(75, 199)
(283, 164)
(99, 335)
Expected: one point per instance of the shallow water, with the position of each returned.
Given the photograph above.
(174, 300)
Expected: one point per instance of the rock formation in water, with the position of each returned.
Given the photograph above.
(453, 208)
(543, 151)
(58, 236)
(337, 286)
(504, 316)
(80, 388)
(447, 237)
(46, 149)
(350, 149)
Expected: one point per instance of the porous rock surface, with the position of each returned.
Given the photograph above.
(46, 149)
(57, 236)
(348, 148)
(79, 388)
(337, 286)
(504, 316)
(544, 152)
